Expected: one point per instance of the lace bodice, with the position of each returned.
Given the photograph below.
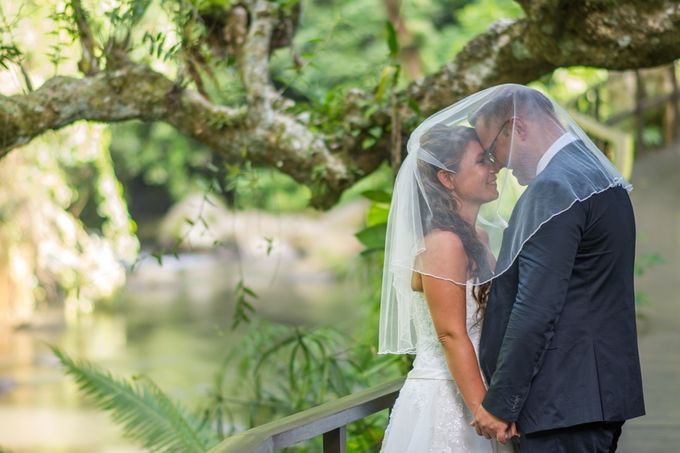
(430, 361)
(430, 415)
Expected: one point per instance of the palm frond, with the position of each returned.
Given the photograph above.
(145, 413)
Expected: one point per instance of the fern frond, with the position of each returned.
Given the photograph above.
(145, 413)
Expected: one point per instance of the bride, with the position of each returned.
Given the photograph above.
(435, 286)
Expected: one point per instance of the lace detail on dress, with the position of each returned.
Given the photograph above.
(430, 360)
(430, 414)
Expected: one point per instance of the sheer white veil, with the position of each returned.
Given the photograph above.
(544, 151)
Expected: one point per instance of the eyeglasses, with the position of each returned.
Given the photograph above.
(490, 152)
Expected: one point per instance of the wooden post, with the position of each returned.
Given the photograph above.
(597, 103)
(674, 104)
(335, 441)
(639, 112)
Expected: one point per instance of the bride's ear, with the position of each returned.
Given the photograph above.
(446, 178)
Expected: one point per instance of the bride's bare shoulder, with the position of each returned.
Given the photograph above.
(445, 239)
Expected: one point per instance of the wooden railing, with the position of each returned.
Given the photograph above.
(621, 133)
(329, 419)
(621, 142)
(660, 108)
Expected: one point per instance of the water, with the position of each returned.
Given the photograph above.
(171, 323)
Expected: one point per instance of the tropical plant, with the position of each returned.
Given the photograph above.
(140, 407)
(274, 371)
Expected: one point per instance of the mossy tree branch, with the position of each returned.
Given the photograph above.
(603, 33)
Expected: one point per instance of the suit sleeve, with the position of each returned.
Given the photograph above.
(545, 266)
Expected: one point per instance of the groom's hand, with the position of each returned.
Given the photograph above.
(488, 425)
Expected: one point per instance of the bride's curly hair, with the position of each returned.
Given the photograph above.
(440, 211)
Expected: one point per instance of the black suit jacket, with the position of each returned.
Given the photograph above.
(559, 343)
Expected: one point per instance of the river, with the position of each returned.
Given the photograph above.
(171, 323)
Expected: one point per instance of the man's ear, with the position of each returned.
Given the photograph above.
(520, 127)
(445, 178)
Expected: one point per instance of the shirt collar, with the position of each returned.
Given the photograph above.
(557, 145)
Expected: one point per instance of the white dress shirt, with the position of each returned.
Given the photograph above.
(557, 145)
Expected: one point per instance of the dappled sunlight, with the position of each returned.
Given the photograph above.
(50, 253)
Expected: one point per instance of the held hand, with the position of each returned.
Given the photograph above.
(492, 427)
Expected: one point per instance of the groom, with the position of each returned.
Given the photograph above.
(559, 345)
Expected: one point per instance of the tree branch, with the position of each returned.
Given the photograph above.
(499, 55)
(254, 58)
(135, 91)
(615, 35)
(624, 34)
(88, 64)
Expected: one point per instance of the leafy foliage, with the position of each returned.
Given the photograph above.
(244, 309)
(373, 236)
(295, 369)
(141, 408)
(8, 54)
(314, 72)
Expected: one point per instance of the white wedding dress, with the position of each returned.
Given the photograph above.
(430, 415)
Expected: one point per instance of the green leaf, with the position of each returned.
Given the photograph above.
(377, 214)
(270, 245)
(385, 78)
(370, 110)
(371, 251)
(375, 131)
(368, 142)
(379, 196)
(392, 42)
(414, 106)
(397, 73)
(243, 308)
(250, 292)
(145, 413)
(159, 257)
(138, 9)
(373, 237)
